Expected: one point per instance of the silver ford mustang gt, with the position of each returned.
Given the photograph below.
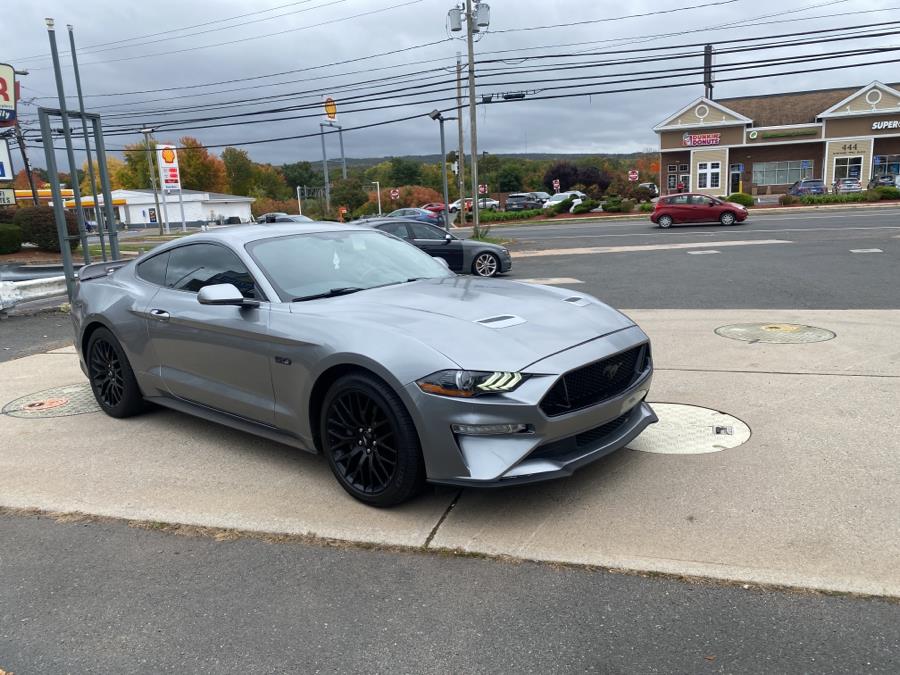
(355, 344)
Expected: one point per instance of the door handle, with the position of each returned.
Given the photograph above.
(159, 314)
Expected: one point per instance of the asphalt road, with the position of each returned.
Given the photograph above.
(22, 335)
(108, 598)
(812, 267)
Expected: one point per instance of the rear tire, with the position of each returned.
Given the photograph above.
(727, 218)
(112, 379)
(370, 441)
(664, 222)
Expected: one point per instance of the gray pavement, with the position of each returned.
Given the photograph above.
(26, 334)
(81, 597)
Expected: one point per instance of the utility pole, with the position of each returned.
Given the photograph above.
(473, 114)
(98, 213)
(707, 71)
(20, 139)
(147, 131)
(325, 170)
(461, 159)
(377, 185)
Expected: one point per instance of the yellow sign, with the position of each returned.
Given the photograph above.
(168, 155)
(330, 109)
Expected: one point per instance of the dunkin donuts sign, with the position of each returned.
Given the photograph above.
(693, 140)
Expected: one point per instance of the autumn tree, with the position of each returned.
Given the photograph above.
(199, 169)
(115, 168)
(135, 174)
(267, 181)
(238, 170)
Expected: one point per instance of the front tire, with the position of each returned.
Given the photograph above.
(370, 441)
(727, 218)
(486, 264)
(664, 222)
(112, 379)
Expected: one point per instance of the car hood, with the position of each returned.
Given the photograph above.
(525, 322)
(735, 205)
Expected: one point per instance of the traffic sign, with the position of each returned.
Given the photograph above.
(556, 184)
(395, 193)
(482, 189)
(6, 167)
(330, 108)
(633, 175)
(7, 93)
(169, 175)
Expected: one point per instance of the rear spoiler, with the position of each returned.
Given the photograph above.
(101, 269)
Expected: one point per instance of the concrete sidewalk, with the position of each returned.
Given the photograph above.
(811, 500)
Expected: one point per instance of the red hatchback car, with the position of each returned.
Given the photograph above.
(693, 208)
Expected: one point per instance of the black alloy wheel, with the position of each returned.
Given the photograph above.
(370, 441)
(112, 380)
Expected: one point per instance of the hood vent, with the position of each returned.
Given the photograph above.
(501, 321)
(576, 300)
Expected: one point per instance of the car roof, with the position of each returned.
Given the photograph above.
(237, 235)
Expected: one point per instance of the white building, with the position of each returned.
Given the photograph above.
(137, 208)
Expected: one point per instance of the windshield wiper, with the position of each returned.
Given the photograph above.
(345, 290)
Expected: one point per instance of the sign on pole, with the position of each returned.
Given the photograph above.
(7, 93)
(7, 197)
(169, 176)
(395, 193)
(633, 175)
(556, 184)
(6, 167)
(483, 189)
(330, 109)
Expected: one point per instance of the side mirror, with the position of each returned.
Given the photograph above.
(224, 294)
(443, 261)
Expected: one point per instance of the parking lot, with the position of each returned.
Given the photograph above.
(810, 501)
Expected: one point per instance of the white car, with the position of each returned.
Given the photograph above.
(484, 203)
(577, 198)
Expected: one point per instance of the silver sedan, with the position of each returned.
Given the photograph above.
(354, 344)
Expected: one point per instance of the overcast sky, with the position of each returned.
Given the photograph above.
(149, 55)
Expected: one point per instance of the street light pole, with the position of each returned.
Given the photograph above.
(147, 131)
(377, 185)
(436, 115)
(299, 203)
(325, 170)
(473, 122)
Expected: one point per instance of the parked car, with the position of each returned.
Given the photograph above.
(271, 218)
(436, 207)
(466, 256)
(883, 180)
(652, 188)
(843, 186)
(352, 344)
(577, 198)
(233, 220)
(694, 208)
(264, 217)
(424, 215)
(543, 196)
(807, 186)
(484, 203)
(522, 201)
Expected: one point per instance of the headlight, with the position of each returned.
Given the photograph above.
(469, 383)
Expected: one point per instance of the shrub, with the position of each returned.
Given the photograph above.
(872, 195)
(38, 226)
(627, 205)
(10, 239)
(7, 213)
(563, 207)
(886, 192)
(613, 204)
(586, 206)
(834, 199)
(503, 216)
(787, 200)
(741, 198)
(647, 207)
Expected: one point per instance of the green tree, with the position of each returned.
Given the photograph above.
(238, 171)
(349, 193)
(301, 173)
(267, 181)
(136, 173)
(509, 178)
(405, 171)
(199, 169)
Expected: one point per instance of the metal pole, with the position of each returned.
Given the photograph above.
(299, 203)
(461, 160)
(343, 159)
(473, 130)
(20, 138)
(70, 152)
(61, 230)
(107, 191)
(181, 207)
(147, 131)
(87, 145)
(444, 177)
(325, 170)
(165, 210)
(378, 193)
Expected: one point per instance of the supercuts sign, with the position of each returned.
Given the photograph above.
(693, 140)
(886, 124)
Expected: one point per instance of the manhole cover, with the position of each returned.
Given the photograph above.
(690, 430)
(777, 333)
(73, 399)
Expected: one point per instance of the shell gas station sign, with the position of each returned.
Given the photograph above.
(330, 109)
(169, 176)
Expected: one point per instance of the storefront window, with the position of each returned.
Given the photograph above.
(709, 175)
(847, 167)
(672, 168)
(672, 181)
(886, 164)
(781, 173)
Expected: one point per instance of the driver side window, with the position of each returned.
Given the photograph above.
(423, 231)
(194, 266)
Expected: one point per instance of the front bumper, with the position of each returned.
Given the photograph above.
(553, 446)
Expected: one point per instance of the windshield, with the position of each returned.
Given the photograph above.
(301, 265)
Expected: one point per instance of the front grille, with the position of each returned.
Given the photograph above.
(568, 448)
(596, 382)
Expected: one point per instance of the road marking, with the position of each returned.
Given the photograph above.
(702, 252)
(866, 250)
(711, 233)
(645, 247)
(552, 281)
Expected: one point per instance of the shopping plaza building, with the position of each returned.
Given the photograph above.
(763, 144)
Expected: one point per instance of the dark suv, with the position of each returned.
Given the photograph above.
(883, 180)
(807, 186)
(522, 201)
